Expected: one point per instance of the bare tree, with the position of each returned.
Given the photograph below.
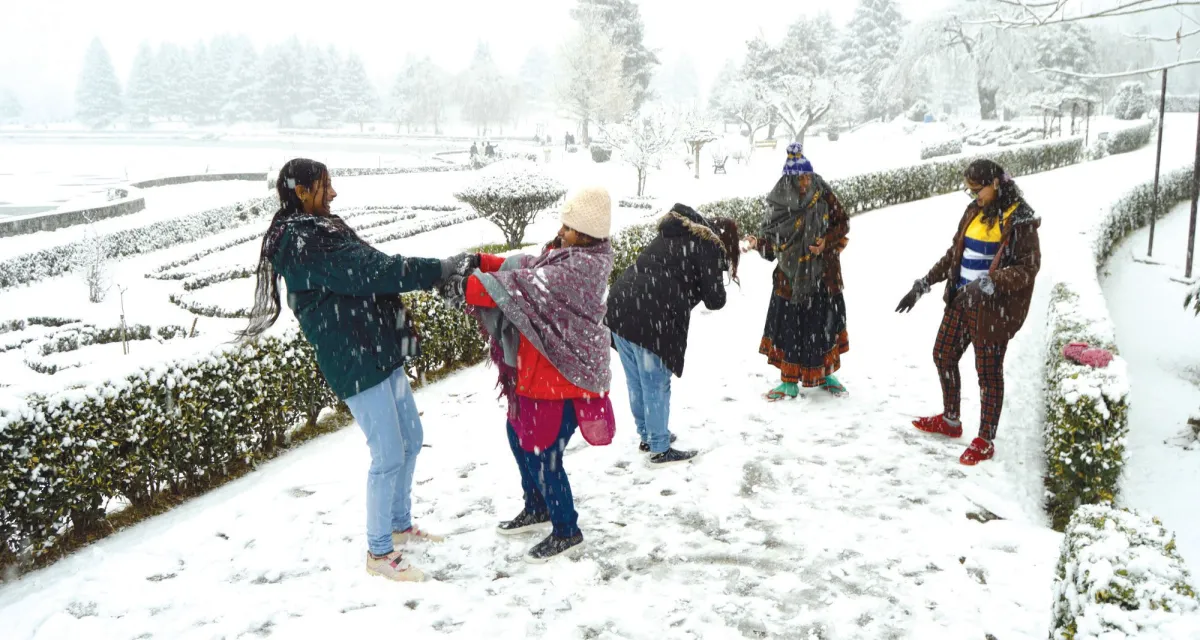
(1023, 14)
(91, 258)
(644, 140)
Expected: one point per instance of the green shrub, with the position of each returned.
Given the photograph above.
(951, 147)
(1086, 411)
(1120, 575)
(628, 244)
(176, 426)
(1130, 103)
(164, 429)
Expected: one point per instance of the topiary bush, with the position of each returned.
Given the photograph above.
(1119, 575)
(601, 153)
(1130, 103)
(511, 195)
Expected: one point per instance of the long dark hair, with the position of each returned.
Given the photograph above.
(985, 172)
(300, 171)
(727, 230)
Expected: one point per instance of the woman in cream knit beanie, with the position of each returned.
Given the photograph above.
(588, 210)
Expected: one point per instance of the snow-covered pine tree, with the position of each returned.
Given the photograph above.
(869, 47)
(283, 76)
(322, 97)
(1069, 46)
(621, 21)
(590, 85)
(486, 93)
(244, 88)
(202, 92)
(176, 78)
(10, 106)
(536, 77)
(98, 93)
(145, 87)
(357, 94)
(810, 86)
(762, 69)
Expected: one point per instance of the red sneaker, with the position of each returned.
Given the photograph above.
(979, 451)
(938, 424)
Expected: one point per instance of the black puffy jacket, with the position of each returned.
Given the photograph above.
(651, 303)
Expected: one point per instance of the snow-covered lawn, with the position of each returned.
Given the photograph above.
(1159, 339)
(821, 517)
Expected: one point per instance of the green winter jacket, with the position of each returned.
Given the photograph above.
(345, 294)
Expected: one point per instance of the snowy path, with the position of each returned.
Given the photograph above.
(1158, 338)
(820, 515)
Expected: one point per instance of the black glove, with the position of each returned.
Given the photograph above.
(462, 264)
(454, 291)
(919, 288)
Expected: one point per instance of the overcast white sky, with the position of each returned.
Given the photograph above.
(42, 41)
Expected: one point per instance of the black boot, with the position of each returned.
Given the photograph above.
(524, 522)
(645, 447)
(552, 546)
(670, 457)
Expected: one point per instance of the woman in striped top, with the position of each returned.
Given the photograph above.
(989, 272)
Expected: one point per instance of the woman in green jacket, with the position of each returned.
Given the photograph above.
(346, 296)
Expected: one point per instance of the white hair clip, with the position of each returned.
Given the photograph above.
(291, 183)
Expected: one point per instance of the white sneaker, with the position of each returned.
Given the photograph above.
(414, 535)
(393, 567)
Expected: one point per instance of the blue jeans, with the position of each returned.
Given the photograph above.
(388, 416)
(649, 382)
(543, 479)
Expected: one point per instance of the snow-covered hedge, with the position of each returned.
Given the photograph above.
(175, 427)
(878, 189)
(1120, 576)
(56, 261)
(1123, 140)
(511, 195)
(941, 148)
(1181, 104)
(171, 428)
(1086, 409)
(628, 244)
(1086, 421)
(392, 171)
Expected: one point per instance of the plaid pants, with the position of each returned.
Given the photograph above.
(953, 337)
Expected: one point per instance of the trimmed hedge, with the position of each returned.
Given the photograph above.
(879, 189)
(1120, 575)
(943, 148)
(176, 426)
(1086, 409)
(56, 261)
(1123, 140)
(169, 428)
(1179, 104)
(1086, 421)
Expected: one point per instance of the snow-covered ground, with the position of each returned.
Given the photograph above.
(821, 517)
(1159, 340)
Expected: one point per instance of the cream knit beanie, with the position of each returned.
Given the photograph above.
(589, 210)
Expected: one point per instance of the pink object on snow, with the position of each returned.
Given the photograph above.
(1096, 358)
(1084, 354)
(1074, 350)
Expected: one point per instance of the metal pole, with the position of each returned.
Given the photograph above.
(1156, 212)
(1087, 127)
(1195, 194)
